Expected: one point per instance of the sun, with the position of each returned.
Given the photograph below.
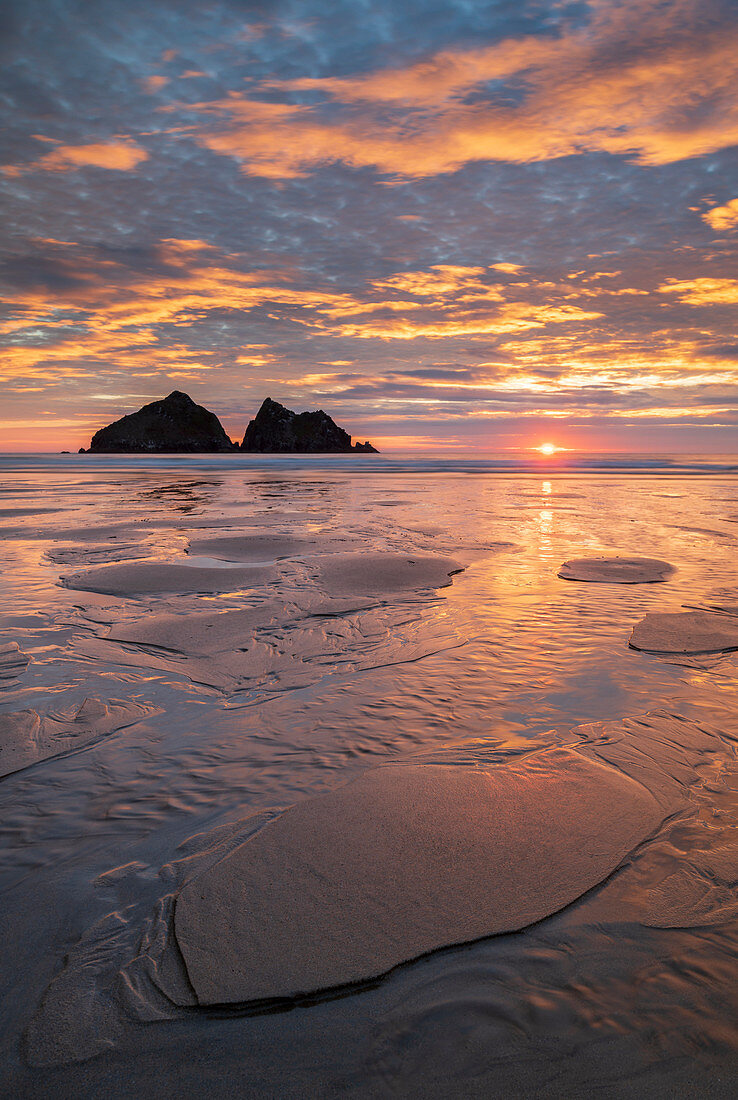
(548, 448)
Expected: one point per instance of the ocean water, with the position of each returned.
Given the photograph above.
(505, 660)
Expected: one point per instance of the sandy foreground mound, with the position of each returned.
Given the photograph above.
(687, 632)
(380, 573)
(405, 859)
(616, 570)
(26, 737)
(159, 578)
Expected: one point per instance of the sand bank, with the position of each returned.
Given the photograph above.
(616, 570)
(380, 574)
(160, 578)
(688, 632)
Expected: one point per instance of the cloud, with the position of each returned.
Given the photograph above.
(186, 311)
(152, 84)
(660, 97)
(120, 156)
(724, 217)
(703, 292)
(512, 317)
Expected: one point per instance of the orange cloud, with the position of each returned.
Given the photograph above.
(440, 279)
(721, 218)
(512, 317)
(152, 84)
(589, 89)
(703, 292)
(120, 156)
(109, 322)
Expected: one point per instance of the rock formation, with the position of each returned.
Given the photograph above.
(276, 429)
(174, 425)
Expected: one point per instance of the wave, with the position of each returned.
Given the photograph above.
(388, 463)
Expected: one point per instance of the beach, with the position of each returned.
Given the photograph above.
(323, 777)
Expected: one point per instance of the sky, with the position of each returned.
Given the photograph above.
(455, 226)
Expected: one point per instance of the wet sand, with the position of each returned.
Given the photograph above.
(302, 755)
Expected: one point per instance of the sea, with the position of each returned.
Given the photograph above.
(629, 990)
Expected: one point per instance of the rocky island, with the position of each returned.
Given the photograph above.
(176, 425)
(277, 430)
(171, 426)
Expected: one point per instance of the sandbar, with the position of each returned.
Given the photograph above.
(687, 632)
(159, 578)
(379, 573)
(616, 570)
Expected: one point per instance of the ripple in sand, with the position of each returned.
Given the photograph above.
(616, 570)
(159, 578)
(27, 738)
(687, 632)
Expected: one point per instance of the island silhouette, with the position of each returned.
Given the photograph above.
(177, 425)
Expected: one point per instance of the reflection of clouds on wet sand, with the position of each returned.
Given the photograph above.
(352, 645)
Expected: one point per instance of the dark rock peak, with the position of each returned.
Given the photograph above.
(173, 425)
(277, 430)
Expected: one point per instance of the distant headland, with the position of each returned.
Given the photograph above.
(176, 425)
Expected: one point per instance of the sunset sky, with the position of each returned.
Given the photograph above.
(451, 224)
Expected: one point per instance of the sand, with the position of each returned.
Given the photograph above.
(160, 578)
(97, 532)
(616, 570)
(250, 547)
(27, 738)
(371, 573)
(687, 632)
(271, 646)
(404, 860)
(200, 634)
(13, 662)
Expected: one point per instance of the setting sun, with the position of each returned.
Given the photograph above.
(548, 448)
